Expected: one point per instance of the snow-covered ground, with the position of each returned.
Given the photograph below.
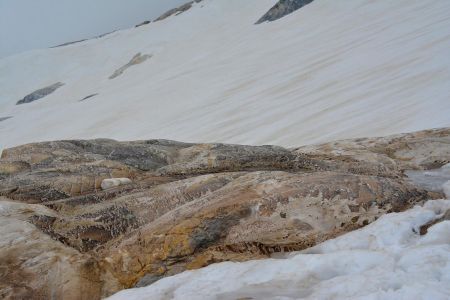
(437, 180)
(387, 259)
(333, 69)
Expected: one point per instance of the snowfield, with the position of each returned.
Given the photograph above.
(331, 70)
(387, 259)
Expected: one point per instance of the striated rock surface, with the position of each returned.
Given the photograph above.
(385, 156)
(35, 266)
(189, 205)
(281, 9)
(41, 93)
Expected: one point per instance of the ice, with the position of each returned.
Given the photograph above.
(433, 180)
(387, 259)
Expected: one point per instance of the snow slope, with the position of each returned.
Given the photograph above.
(387, 259)
(331, 70)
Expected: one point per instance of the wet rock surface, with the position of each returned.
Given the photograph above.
(189, 205)
(41, 93)
(281, 9)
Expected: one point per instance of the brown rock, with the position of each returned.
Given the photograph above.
(189, 205)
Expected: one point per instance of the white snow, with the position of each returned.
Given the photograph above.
(436, 180)
(331, 70)
(114, 182)
(446, 185)
(387, 259)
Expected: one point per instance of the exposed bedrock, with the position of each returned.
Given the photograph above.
(135, 60)
(252, 216)
(41, 93)
(176, 11)
(282, 8)
(185, 206)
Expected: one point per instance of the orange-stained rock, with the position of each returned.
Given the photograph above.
(189, 205)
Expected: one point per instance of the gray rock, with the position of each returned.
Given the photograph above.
(5, 118)
(69, 43)
(137, 59)
(41, 93)
(283, 8)
(79, 41)
(143, 23)
(148, 280)
(87, 97)
(177, 10)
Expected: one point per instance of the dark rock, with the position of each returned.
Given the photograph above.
(177, 10)
(69, 43)
(283, 8)
(87, 97)
(41, 93)
(79, 41)
(143, 23)
(213, 158)
(4, 118)
(424, 228)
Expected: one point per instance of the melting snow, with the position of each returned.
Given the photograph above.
(436, 180)
(387, 259)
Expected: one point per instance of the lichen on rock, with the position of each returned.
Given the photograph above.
(191, 205)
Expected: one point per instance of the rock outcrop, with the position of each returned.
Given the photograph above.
(114, 182)
(189, 205)
(281, 9)
(176, 11)
(143, 23)
(137, 59)
(4, 118)
(88, 97)
(35, 266)
(41, 93)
